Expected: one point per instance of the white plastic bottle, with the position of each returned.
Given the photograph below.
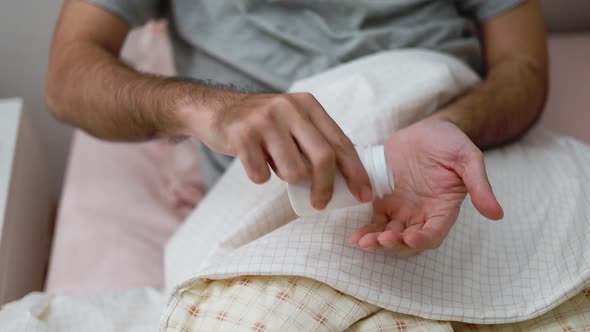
(375, 163)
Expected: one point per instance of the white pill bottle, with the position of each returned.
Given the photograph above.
(375, 162)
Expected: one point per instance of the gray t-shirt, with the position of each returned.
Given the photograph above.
(268, 44)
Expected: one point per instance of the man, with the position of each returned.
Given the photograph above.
(266, 45)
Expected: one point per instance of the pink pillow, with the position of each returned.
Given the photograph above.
(121, 202)
(568, 106)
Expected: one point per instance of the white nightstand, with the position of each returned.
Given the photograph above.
(25, 205)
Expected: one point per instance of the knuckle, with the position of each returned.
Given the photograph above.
(311, 102)
(295, 172)
(282, 101)
(307, 96)
(244, 133)
(267, 112)
(325, 159)
(342, 144)
(263, 121)
(300, 173)
(282, 107)
(323, 186)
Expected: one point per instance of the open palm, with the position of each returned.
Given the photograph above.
(434, 165)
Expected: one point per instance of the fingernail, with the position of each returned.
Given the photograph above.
(319, 204)
(366, 194)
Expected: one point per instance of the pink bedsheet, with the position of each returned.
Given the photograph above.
(121, 202)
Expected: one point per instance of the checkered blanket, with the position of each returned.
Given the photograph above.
(282, 303)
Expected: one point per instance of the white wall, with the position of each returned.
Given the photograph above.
(26, 27)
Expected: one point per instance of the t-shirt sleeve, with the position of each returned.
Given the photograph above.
(134, 12)
(482, 10)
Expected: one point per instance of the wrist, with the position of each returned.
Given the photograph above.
(443, 115)
(198, 106)
(453, 115)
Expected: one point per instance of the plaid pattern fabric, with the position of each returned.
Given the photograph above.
(288, 303)
(570, 316)
(263, 304)
(386, 321)
(283, 303)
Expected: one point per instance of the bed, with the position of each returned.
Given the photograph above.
(121, 202)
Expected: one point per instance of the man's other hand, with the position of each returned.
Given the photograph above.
(434, 165)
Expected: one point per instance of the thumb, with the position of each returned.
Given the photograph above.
(471, 169)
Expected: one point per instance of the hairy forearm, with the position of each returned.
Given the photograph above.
(90, 88)
(503, 106)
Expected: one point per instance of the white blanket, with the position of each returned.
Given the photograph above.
(134, 310)
(485, 272)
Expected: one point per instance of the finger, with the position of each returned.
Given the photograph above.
(369, 234)
(381, 219)
(322, 160)
(288, 161)
(359, 233)
(250, 152)
(270, 162)
(393, 241)
(378, 224)
(369, 241)
(347, 159)
(252, 157)
(431, 234)
(353, 171)
(471, 169)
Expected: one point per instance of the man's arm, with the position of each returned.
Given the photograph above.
(512, 95)
(434, 162)
(90, 88)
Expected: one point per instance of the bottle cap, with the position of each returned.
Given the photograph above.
(375, 162)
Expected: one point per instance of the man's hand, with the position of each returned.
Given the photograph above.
(90, 88)
(290, 132)
(434, 165)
